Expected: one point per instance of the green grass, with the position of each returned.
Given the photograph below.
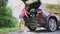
(53, 8)
(8, 29)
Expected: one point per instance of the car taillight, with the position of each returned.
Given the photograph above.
(40, 11)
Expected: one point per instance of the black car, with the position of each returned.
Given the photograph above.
(39, 17)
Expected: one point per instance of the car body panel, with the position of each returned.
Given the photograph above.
(37, 21)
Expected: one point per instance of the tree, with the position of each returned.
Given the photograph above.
(6, 18)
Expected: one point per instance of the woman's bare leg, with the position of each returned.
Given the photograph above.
(20, 24)
(23, 23)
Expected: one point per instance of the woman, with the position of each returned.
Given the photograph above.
(22, 15)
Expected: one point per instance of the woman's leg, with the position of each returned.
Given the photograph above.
(20, 22)
(23, 24)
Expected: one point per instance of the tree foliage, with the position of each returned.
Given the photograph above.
(6, 18)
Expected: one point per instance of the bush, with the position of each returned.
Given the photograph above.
(6, 18)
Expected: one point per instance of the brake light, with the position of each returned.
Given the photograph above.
(40, 11)
(39, 18)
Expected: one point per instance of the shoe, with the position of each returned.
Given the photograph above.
(25, 31)
(21, 31)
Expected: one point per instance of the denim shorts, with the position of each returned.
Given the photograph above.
(20, 16)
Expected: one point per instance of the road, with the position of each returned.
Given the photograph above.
(38, 31)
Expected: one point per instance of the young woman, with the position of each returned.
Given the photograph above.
(23, 14)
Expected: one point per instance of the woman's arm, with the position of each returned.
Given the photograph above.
(26, 14)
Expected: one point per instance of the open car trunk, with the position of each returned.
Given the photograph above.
(33, 4)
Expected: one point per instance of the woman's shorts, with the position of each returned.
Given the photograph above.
(20, 16)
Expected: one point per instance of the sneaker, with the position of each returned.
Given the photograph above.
(25, 30)
(20, 31)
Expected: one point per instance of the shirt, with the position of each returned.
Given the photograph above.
(24, 12)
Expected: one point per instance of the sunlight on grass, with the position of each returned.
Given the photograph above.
(8, 29)
(53, 8)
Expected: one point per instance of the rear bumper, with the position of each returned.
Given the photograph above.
(37, 24)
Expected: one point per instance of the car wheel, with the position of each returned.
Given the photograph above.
(32, 28)
(52, 25)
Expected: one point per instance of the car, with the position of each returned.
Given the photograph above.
(42, 18)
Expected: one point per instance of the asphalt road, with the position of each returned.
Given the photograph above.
(38, 31)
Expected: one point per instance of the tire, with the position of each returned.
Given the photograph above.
(52, 25)
(32, 28)
(57, 27)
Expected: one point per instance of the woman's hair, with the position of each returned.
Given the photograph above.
(26, 5)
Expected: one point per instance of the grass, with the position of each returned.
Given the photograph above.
(53, 8)
(8, 29)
